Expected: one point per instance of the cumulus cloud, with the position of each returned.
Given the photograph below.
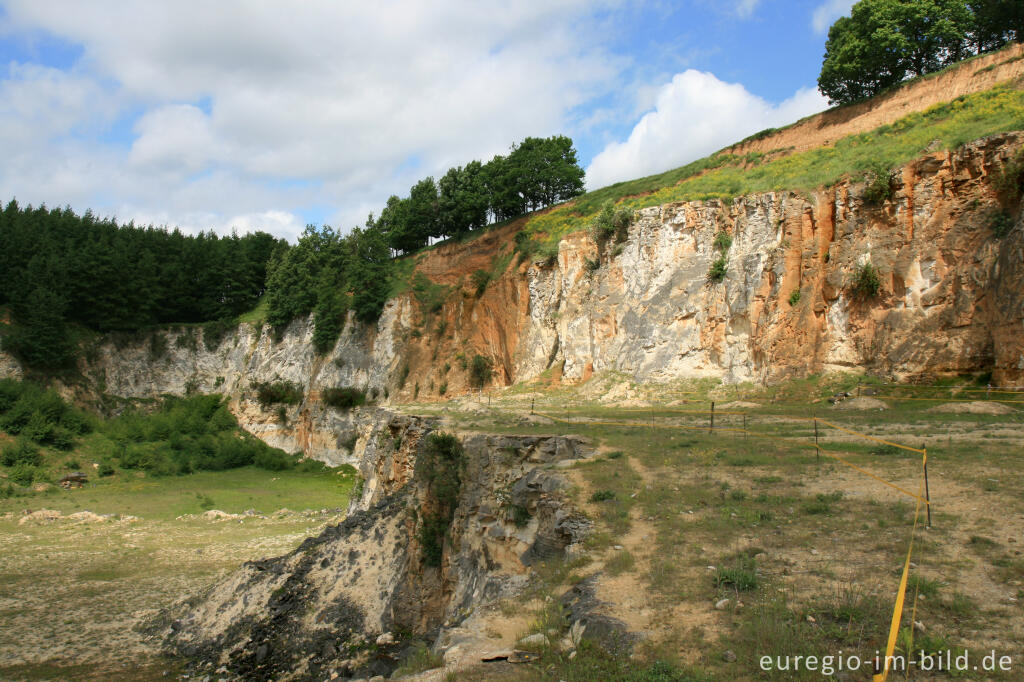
(827, 12)
(255, 107)
(694, 115)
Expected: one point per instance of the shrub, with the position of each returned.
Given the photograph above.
(866, 283)
(481, 278)
(609, 223)
(21, 451)
(794, 297)
(343, 398)
(270, 392)
(213, 333)
(602, 496)
(106, 469)
(157, 346)
(520, 515)
(742, 576)
(442, 462)
(23, 473)
(480, 371)
(879, 187)
(1010, 180)
(1001, 224)
(723, 241)
(443, 388)
(272, 459)
(718, 270)
(403, 374)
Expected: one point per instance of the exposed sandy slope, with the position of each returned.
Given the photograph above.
(827, 127)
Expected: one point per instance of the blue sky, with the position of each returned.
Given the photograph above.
(257, 115)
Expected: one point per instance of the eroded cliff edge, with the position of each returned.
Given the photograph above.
(320, 608)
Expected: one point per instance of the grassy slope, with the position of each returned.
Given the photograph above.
(723, 176)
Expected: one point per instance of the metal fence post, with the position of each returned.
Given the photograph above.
(927, 495)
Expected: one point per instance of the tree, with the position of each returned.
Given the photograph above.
(368, 275)
(423, 222)
(462, 200)
(996, 22)
(883, 42)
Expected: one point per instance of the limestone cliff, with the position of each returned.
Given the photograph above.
(950, 301)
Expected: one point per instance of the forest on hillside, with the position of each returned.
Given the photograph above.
(60, 271)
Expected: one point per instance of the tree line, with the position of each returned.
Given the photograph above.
(57, 268)
(536, 173)
(327, 274)
(884, 42)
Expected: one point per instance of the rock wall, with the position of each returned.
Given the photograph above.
(950, 301)
(321, 608)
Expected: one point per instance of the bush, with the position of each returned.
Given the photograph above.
(866, 283)
(718, 270)
(23, 474)
(106, 469)
(1001, 224)
(479, 371)
(343, 398)
(481, 278)
(520, 515)
(602, 496)
(723, 241)
(1010, 180)
(794, 297)
(287, 392)
(403, 374)
(611, 222)
(21, 451)
(272, 459)
(879, 188)
(187, 435)
(442, 462)
(213, 333)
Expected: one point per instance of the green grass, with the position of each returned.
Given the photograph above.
(164, 498)
(257, 315)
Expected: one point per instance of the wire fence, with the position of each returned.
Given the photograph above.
(660, 418)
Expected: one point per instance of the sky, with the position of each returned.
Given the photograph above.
(257, 115)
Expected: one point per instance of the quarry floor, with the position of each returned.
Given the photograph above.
(718, 547)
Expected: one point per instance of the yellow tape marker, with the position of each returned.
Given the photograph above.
(897, 611)
(864, 435)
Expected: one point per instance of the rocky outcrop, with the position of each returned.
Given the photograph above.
(949, 297)
(323, 606)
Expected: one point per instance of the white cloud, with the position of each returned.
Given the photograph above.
(827, 12)
(745, 8)
(240, 109)
(694, 115)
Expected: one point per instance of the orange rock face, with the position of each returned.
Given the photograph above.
(949, 299)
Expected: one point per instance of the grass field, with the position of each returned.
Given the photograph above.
(71, 593)
(801, 554)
